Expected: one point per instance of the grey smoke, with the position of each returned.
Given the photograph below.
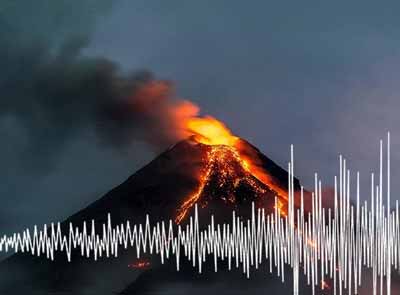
(55, 92)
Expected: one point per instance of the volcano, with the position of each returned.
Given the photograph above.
(220, 174)
(211, 168)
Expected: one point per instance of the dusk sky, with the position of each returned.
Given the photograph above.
(322, 76)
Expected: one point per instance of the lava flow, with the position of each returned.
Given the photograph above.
(227, 171)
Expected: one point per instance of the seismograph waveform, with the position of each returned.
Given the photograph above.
(335, 243)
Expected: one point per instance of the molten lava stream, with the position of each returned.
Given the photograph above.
(224, 147)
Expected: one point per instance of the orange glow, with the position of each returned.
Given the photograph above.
(220, 156)
(264, 177)
(192, 199)
(209, 130)
(279, 206)
(140, 264)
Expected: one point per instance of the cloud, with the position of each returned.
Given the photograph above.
(56, 93)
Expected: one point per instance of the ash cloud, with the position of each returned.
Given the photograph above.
(56, 93)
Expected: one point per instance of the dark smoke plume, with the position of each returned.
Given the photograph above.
(55, 93)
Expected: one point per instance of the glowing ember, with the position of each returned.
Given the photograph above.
(280, 206)
(233, 167)
(140, 265)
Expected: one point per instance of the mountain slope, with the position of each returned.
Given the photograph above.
(218, 178)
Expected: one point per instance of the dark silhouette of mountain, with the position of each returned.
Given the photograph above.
(222, 183)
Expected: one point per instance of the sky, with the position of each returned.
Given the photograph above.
(321, 76)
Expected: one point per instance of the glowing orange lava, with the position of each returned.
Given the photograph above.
(280, 208)
(225, 147)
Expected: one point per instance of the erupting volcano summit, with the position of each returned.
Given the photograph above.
(233, 170)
